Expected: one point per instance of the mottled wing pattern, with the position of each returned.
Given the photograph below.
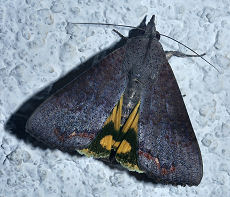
(71, 118)
(168, 149)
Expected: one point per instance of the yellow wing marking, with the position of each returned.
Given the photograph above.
(131, 123)
(115, 117)
(106, 142)
(124, 147)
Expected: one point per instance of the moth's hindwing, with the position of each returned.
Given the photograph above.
(108, 137)
(122, 139)
(127, 151)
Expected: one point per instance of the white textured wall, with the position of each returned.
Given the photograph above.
(35, 50)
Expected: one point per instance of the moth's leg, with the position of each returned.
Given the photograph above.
(119, 34)
(169, 54)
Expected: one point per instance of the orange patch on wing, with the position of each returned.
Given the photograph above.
(163, 171)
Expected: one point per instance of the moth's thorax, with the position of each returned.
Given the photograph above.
(143, 59)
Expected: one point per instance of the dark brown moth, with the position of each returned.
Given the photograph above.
(128, 103)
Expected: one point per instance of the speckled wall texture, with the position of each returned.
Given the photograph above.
(39, 44)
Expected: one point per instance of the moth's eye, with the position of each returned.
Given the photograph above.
(158, 36)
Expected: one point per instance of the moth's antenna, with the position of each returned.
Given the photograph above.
(129, 26)
(191, 50)
(108, 24)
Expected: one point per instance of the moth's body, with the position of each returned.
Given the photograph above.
(140, 77)
(130, 103)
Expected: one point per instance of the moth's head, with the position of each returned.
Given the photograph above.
(143, 29)
(151, 29)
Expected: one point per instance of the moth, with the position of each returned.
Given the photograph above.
(127, 105)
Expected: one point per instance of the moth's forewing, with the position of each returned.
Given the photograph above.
(72, 118)
(168, 148)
